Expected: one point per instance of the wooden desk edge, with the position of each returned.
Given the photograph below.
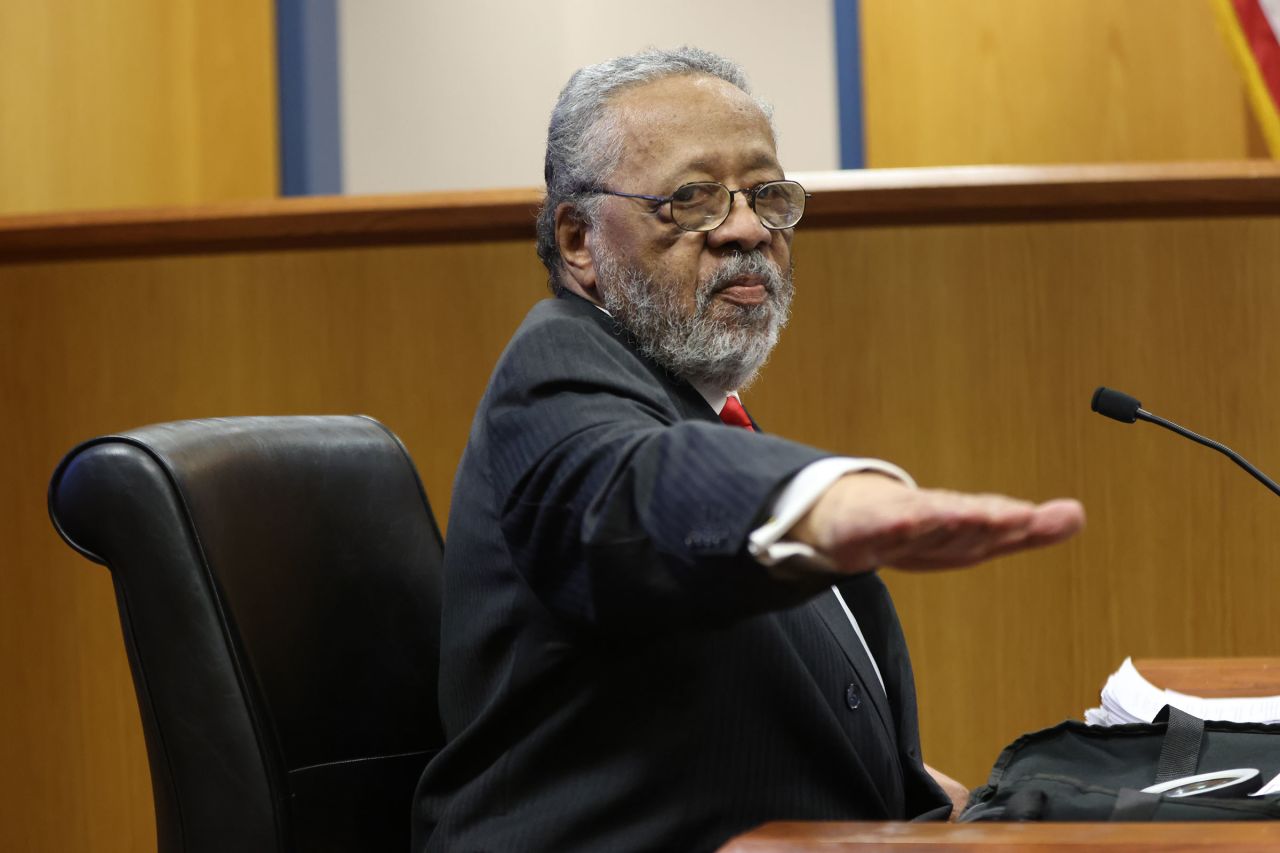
(863, 198)
(1214, 677)
(1255, 676)
(794, 837)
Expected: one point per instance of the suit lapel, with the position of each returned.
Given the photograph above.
(833, 616)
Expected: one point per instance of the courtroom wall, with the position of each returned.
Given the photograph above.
(457, 95)
(1043, 81)
(121, 103)
(437, 96)
(151, 102)
(967, 353)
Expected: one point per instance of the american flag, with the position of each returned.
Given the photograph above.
(1253, 28)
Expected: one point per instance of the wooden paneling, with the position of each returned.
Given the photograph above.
(115, 103)
(1043, 81)
(861, 197)
(407, 335)
(286, 223)
(967, 353)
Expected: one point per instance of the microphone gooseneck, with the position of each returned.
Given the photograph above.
(1119, 406)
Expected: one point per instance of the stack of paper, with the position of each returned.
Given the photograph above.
(1127, 697)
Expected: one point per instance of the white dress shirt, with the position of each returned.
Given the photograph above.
(767, 543)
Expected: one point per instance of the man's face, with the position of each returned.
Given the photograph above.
(708, 305)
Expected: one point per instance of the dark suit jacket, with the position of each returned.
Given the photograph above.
(617, 672)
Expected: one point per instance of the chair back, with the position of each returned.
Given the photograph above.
(278, 581)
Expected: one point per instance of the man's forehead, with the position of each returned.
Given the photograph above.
(692, 123)
(685, 98)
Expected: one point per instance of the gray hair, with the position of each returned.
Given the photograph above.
(584, 141)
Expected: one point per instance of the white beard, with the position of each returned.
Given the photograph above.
(718, 352)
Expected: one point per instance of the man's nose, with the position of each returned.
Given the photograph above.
(742, 227)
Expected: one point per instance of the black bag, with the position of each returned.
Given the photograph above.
(1078, 772)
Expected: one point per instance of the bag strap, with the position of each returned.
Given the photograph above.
(1134, 806)
(1179, 757)
(1180, 751)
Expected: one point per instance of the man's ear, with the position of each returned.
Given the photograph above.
(573, 238)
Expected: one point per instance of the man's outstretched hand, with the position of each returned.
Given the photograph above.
(867, 520)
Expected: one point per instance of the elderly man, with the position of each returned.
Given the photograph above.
(662, 626)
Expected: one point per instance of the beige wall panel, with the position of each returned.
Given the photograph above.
(118, 103)
(966, 353)
(401, 133)
(1043, 81)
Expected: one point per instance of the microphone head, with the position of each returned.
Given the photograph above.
(1116, 405)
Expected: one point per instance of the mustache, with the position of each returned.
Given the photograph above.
(737, 266)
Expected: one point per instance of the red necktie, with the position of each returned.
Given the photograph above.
(734, 415)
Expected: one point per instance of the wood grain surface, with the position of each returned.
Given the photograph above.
(966, 353)
(864, 197)
(1261, 837)
(1042, 81)
(406, 335)
(116, 103)
(1198, 676)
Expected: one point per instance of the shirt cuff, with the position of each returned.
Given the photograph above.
(766, 543)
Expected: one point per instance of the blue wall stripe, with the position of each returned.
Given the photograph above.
(849, 83)
(310, 112)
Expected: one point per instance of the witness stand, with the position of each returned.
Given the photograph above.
(1198, 676)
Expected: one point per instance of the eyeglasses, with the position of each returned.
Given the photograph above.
(705, 205)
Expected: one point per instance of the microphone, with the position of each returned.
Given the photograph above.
(1116, 405)
(1119, 406)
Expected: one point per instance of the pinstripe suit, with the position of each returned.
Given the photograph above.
(617, 673)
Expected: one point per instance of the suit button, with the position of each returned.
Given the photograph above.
(852, 698)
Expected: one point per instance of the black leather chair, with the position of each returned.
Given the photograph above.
(278, 585)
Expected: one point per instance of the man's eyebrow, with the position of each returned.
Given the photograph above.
(709, 165)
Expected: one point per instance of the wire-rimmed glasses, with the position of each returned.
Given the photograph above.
(705, 205)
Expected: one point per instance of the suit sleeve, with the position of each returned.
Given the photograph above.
(619, 513)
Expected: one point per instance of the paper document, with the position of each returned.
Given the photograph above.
(1127, 697)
